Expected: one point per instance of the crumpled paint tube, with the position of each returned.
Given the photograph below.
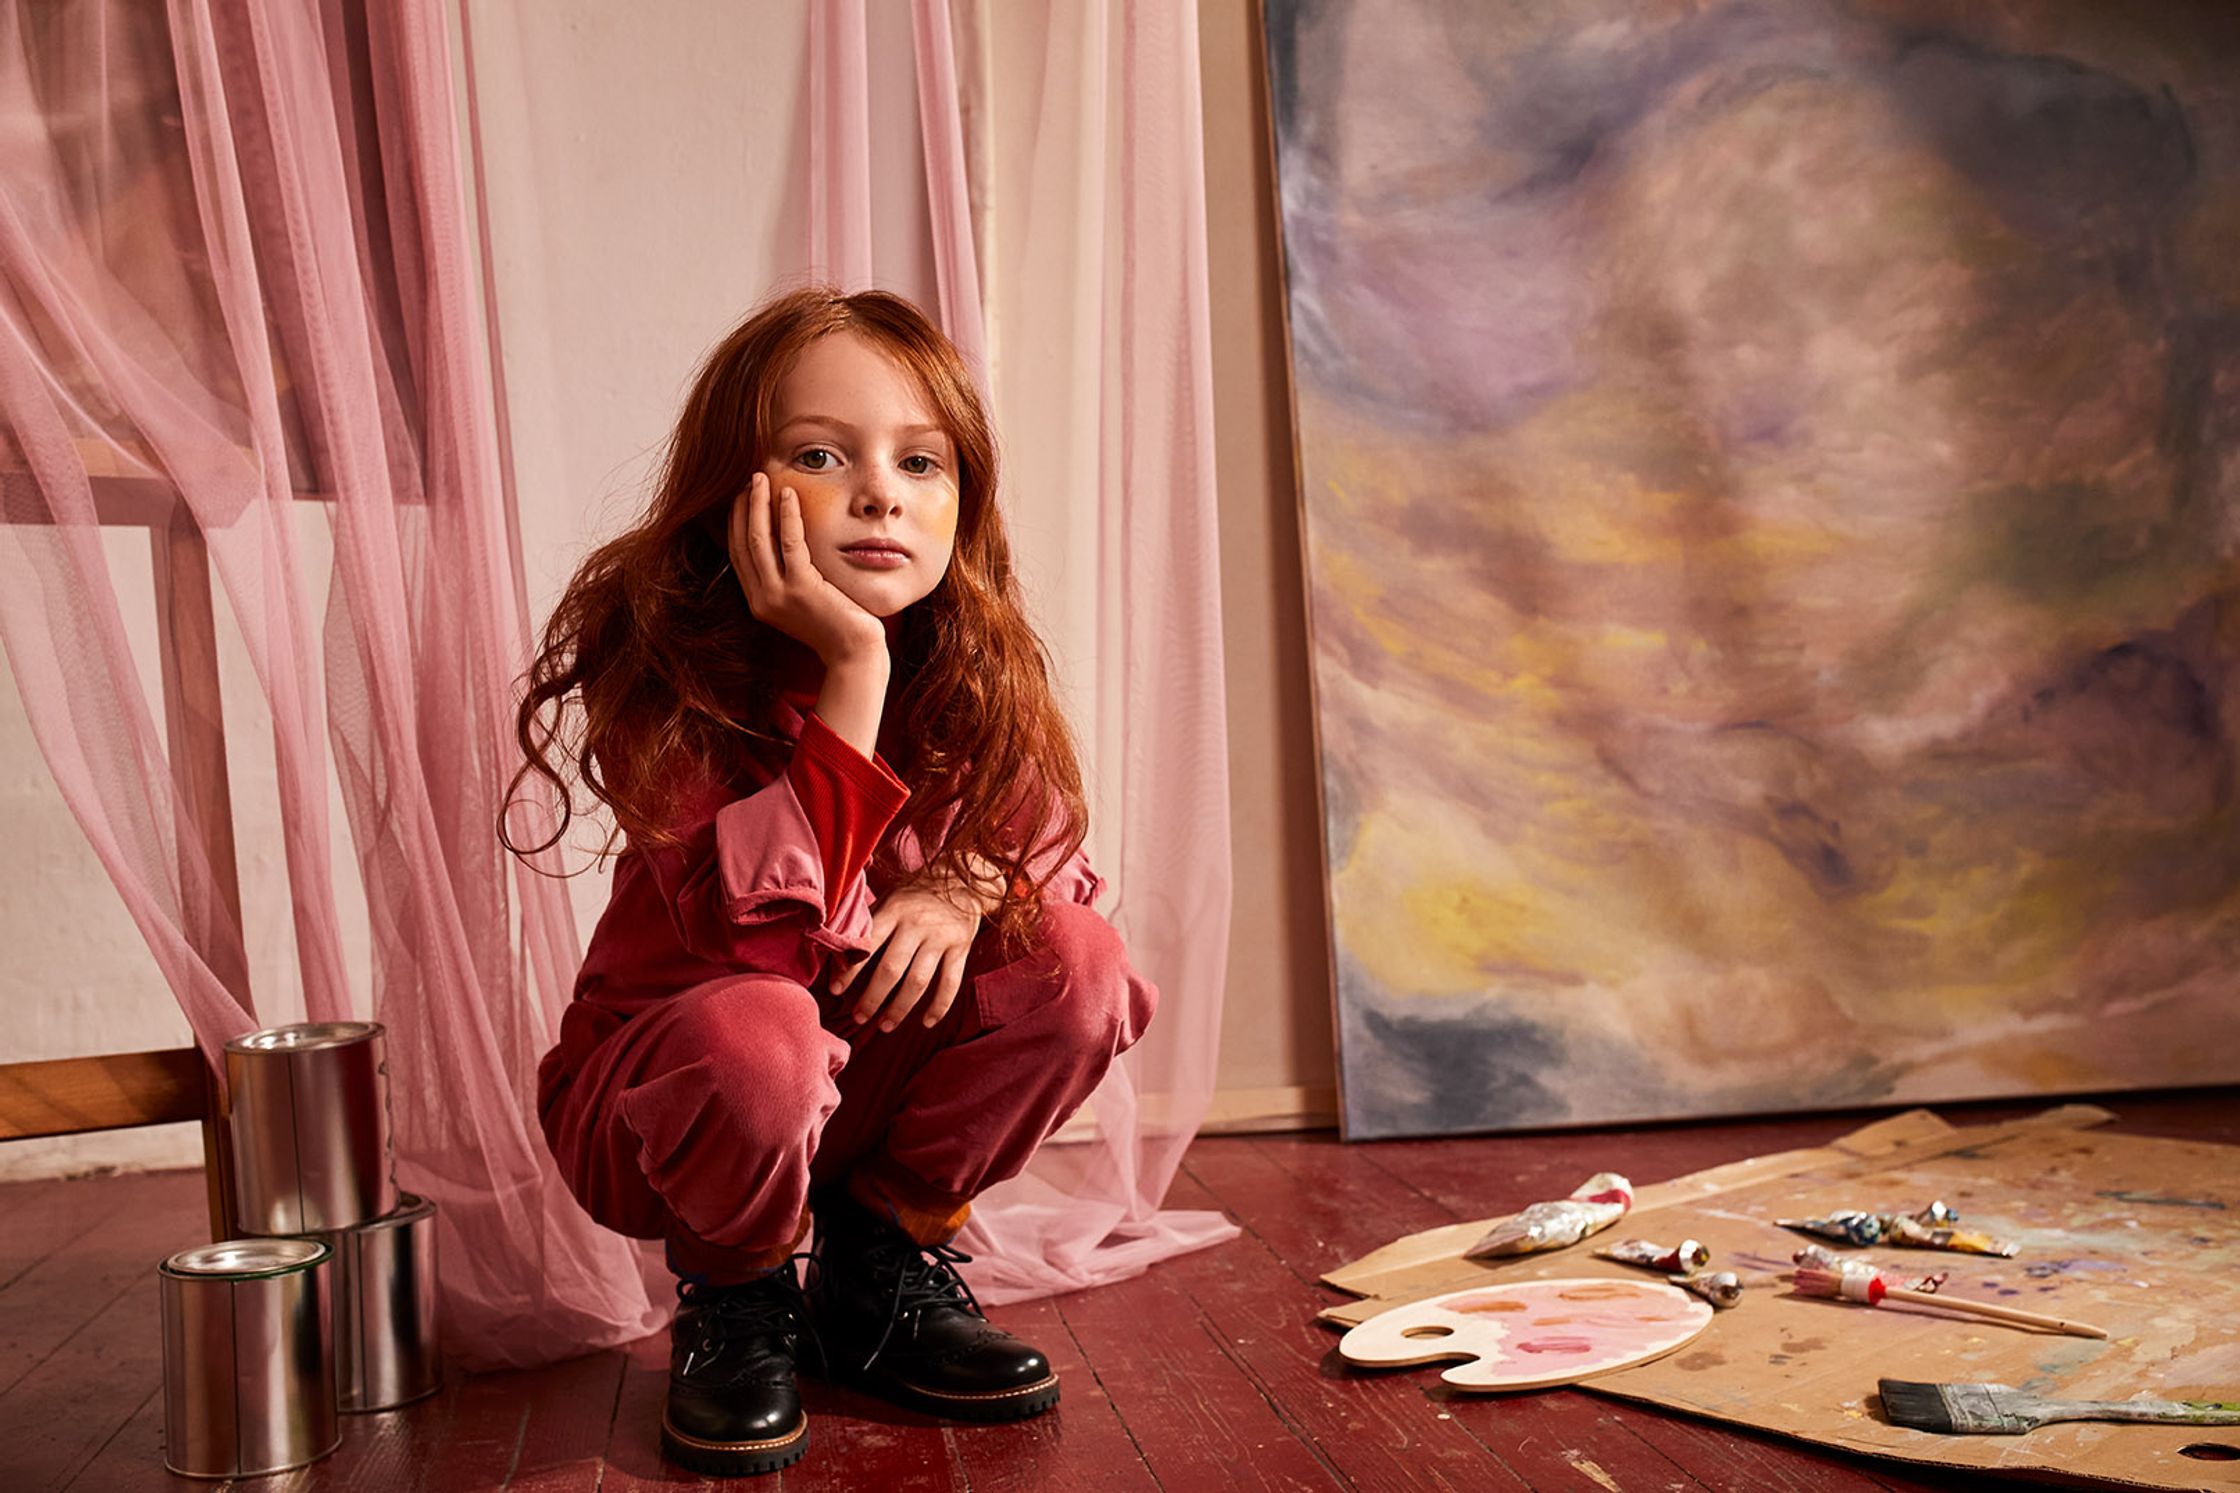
(1930, 1228)
(1722, 1288)
(1682, 1264)
(1824, 1258)
(1597, 1203)
(1849, 1224)
(1685, 1258)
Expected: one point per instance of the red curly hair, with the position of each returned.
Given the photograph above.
(652, 677)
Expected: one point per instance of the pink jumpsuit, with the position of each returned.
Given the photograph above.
(704, 1080)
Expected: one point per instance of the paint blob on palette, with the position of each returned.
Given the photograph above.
(1531, 1334)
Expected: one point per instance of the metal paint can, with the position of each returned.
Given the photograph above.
(386, 1350)
(310, 1126)
(248, 1368)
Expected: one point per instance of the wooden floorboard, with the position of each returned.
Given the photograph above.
(386, 1450)
(1085, 1444)
(131, 1460)
(858, 1442)
(1186, 1392)
(40, 1216)
(1207, 1372)
(633, 1453)
(80, 1342)
(1378, 1435)
(65, 1412)
(99, 1244)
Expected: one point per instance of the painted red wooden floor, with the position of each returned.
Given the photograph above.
(1206, 1373)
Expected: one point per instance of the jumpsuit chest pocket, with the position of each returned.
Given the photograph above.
(1075, 962)
(1010, 992)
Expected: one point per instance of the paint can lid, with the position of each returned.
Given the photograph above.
(304, 1036)
(248, 1259)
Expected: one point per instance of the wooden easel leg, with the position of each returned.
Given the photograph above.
(217, 1159)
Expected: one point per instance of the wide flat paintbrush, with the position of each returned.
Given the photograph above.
(2002, 1410)
(1868, 1287)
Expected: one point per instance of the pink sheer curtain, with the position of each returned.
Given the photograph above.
(237, 312)
(1105, 404)
(1100, 355)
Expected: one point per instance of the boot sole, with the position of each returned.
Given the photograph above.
(734, 1458)
(1022, 1403)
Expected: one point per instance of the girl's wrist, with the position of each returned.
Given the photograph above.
(985, 884)
(857, 654)
(854, 696)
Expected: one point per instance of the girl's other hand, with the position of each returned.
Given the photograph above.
(784, 588)
(923, 935)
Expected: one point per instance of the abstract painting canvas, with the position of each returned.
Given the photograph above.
(1771, 488)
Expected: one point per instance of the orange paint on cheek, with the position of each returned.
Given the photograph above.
(824, 503)
(941, 521)
(823, 493)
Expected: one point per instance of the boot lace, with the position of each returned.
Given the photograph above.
(926, 1277)
(773, 1306)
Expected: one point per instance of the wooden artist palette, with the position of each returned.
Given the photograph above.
(1530, 1334)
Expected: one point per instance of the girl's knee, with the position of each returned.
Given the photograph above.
(1105, 1002)
(750, 1057)
(1079, 940)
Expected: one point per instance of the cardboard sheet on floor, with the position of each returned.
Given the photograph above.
(2135, 1234)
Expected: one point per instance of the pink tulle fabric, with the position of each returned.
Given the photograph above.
(236, 309)
(1125, 313)
(237, 312)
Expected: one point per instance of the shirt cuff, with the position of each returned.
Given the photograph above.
(849, 800)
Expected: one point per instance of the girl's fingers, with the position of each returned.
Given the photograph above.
(945, 991)
(845, 972)
(793, 539)
(760, 573)
(892, 966)
(923, 968)
(773, 530)
(736, 539)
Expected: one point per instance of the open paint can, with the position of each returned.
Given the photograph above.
(386, 1351)
(310, 1126)
(248, 1368)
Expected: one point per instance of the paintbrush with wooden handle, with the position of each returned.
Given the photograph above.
(1868, 1287)
(2002, 1410)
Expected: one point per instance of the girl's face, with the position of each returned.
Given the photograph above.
(855, 435)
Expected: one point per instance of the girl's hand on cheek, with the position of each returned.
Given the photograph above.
(784, 588)
(923, 936)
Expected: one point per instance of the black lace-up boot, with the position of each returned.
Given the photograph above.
(897, 1320)
(733, 1406)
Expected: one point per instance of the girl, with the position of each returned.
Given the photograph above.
(849, 973)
